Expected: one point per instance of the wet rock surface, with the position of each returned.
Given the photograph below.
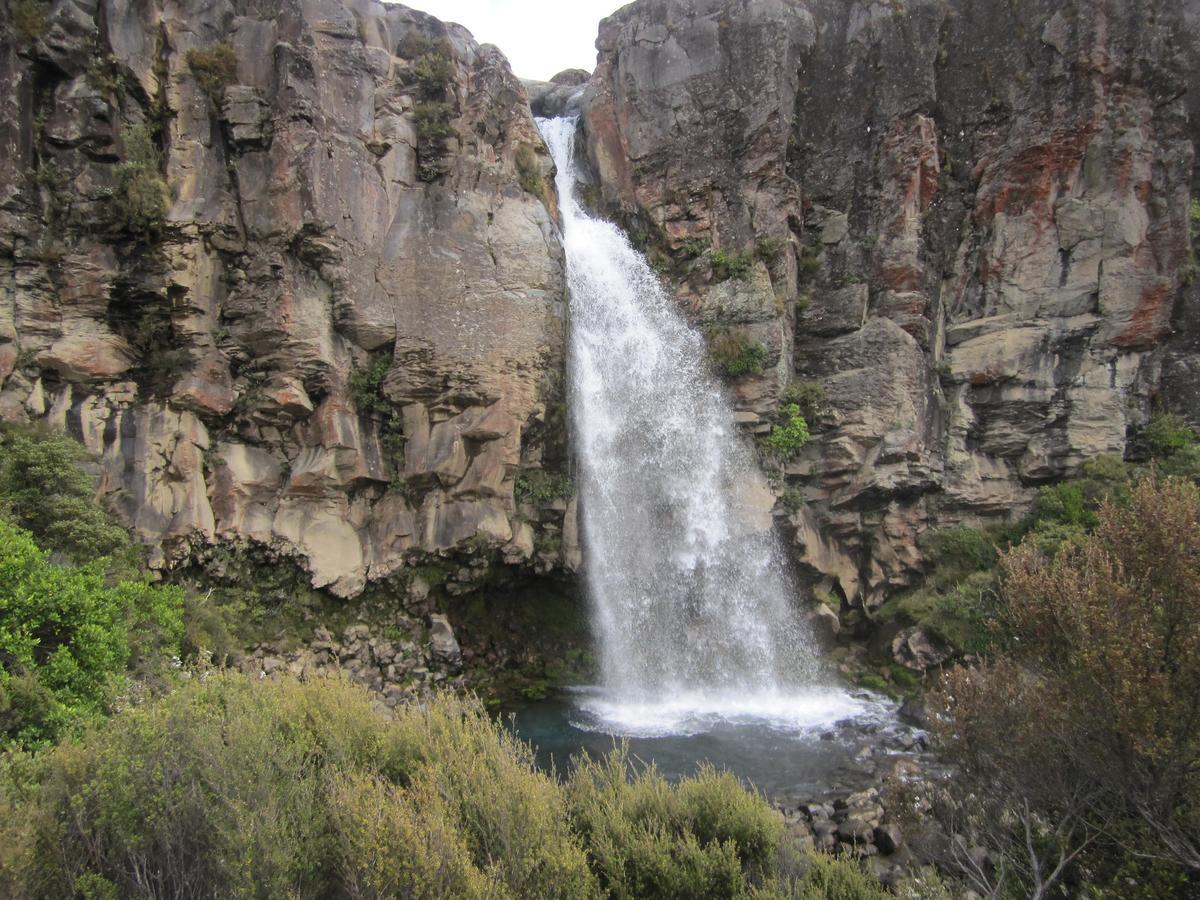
(291, 273)
(965, 223)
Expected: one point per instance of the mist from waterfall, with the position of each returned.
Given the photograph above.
(693, 609)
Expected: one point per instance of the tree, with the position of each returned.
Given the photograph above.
(1086, 729)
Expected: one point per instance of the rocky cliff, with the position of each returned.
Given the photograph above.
(960, 229)
(290, 270)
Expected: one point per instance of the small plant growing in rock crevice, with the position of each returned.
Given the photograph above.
(139, 202)
(29, 19)
(769, 250)
(537, 487)
(529, 172)
(366, 391)
(215, 69)
(734, 355)
(731, 265)
(788, 436)
(809, 396)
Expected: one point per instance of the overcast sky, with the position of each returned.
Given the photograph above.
(539, 37)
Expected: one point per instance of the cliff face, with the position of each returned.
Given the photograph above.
(290, 270)
(967, 222)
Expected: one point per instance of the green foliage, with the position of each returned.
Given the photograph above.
(232, 786)
(228, 787)
(529, 172)
(29, 19)
(769, 250)
(1167, 434)
(731, 265)
(1194, 220)
(366, 390)
(793, 500)
(215, 69)
(734, 355)
(829, 878)
(809, 396)
(140, 200)
(67, 636)
(432, 119)
(706, 837)
(807, 267)
(44, 490)
(153, 337)
(694, 247)
(537, 487)
(106, 74)
(432, 67)
(1080, 741)
(788, 436)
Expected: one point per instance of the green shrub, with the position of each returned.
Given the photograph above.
(141, 198)
(829, 878)
(215, 69)
(731, 265)
(734, 355)
(537, 487)
(234, 787)
(366, 390)
(694, 247)
(73, 634)
(1166, 434)
(529, 172)
(707, 837)
(807, 267)
(29, 19)
(769, 250)
(809, 396)
(44, 490)
(432, 64)
(1194, 221)
(238, 787)
(788, 436)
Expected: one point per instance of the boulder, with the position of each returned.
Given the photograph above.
(442, 643)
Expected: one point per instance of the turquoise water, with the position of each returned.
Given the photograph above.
(787, 760)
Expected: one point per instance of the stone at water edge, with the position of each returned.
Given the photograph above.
(916, 650)
(824, 624)
(888, 838)
(442, 641)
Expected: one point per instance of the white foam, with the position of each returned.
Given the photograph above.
(683, 713)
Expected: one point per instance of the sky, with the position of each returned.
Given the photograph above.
(539, 37)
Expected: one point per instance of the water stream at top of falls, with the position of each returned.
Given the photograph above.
(693, 608)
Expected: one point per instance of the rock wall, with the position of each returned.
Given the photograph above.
(966, 221)
(290, 270)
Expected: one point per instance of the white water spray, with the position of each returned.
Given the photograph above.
(692, 604)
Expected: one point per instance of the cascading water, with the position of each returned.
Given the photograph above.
(692, 604)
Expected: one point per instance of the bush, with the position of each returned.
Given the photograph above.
(809, 396)
(1088, 726)
(141, 198)
(366, 390)
(44, 490)
(537, 487)
(234, 787)
(788, 436)
(707, 837)
(731, 265)
(769, 250)
(432, 64)
(734, 355)
(67, 637)
(215, 69)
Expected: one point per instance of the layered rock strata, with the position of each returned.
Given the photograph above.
(291, 272)
(961, 227)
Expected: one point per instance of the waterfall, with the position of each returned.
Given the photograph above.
(693, 608)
